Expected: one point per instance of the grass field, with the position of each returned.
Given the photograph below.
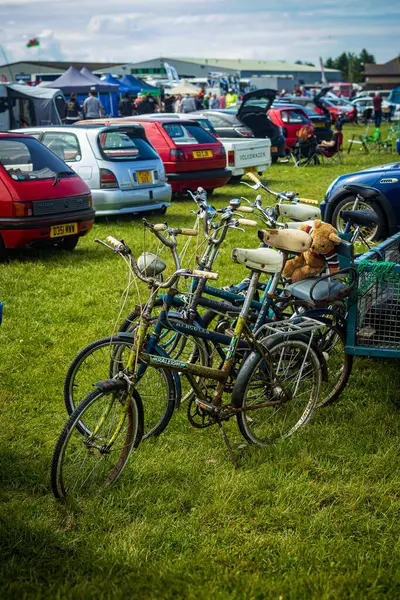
(315, 517)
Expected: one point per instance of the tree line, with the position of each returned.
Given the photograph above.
(351, 65)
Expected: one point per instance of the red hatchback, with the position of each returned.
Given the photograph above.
(42, 201)
(291, 120)
(192, 157)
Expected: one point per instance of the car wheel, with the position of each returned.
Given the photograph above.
(69, 243)
(369, 233)
(235, 180)
(274, 159)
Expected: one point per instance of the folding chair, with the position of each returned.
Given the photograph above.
(304, 153)
(359, 139)
(333, 155)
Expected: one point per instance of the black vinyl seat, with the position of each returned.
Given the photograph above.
(364, 191)
(364, 218)
(315, 289)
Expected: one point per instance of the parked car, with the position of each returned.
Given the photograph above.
(122, 169)
(365, 108)
(192, 157)
(241, 155)
(322, 123)
(291, 119)
(253, 114)
(334, 109)
(385, 179)
(42, 200)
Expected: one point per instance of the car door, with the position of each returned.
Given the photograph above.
(68, 147)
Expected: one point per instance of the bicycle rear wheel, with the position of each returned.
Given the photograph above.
(103, 359)
(289, 384)
(84, 462)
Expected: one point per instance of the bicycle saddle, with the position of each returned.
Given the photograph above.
(364, 191)
(259, 259)
(365, 218)
(291, 240)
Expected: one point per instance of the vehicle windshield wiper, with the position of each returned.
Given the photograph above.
(58, 176)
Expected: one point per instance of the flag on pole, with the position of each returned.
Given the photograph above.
(32, 43)
(323, 77)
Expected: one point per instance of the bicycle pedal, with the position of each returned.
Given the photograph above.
(207, 406)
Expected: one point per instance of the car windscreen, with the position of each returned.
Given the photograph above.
(27, 159)
(125, 145)
(183, 133)
(205, 124)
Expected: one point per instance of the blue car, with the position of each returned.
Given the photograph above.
(385, 179)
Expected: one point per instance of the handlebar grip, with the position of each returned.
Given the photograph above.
(184, 231)
(206, 274)
(308, 201)
(160, 227)
(115, 243)
(253, 177)
(246, 209)
(247, 222)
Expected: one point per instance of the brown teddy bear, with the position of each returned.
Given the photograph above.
(321, 254)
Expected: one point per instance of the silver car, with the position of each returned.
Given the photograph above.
(122, 169)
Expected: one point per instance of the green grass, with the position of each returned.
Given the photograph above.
(316, 517)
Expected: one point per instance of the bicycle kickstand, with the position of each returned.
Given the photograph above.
(228, 445)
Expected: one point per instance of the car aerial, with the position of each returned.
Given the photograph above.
(42, 201)
(242, 155)
(253, 114)
(192, 157)
(385, 179)
(291, 118)
(122, 169)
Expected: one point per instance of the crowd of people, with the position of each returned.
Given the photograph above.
(145, 103)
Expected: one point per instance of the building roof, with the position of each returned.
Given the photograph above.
(239, 64)
(392, 67)
(64, 65)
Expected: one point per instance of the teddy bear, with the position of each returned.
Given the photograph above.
(321, 253)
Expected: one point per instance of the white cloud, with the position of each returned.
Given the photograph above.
(132, 30)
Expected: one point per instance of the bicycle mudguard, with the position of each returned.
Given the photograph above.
(111, 385)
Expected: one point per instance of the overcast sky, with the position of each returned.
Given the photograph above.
(133, 30)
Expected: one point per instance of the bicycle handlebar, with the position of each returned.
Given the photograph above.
(174, 231)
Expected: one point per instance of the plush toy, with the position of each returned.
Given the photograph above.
(321, 254)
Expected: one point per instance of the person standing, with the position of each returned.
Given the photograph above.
(169, 102)
(177, 105)
(213, 102)
(73, 110)
(146, 106)
(92, 107)
(188, 104)
(231, 98)
(222, 101)
(125, 105)
(377, 103)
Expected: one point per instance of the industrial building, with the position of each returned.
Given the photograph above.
(185, 67)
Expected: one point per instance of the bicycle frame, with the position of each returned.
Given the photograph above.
(191, 370)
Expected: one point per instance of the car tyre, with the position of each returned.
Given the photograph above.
(381, 230)
(69, 243)
(235, 180)
(3, 251)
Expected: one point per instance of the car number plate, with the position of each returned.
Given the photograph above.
(274, 149)
(319, 125)
(62, 230)
(202, 153)
(144, 177)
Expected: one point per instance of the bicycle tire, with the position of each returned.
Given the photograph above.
(158, 407)
(338, 369)
(277, 423)
(59, 474)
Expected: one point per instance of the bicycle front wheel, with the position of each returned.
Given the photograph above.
(103, 359)
(277, 395)
(86, 459)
